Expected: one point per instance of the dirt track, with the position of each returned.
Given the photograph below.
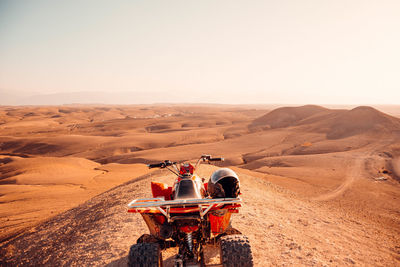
(354, 172)
(283, 229)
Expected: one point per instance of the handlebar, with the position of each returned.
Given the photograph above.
(216, 159)
(210, 158)
(167, 163)
(164, 164)
(156, 165)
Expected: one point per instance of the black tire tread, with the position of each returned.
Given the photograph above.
(235, 251)
(144, 255)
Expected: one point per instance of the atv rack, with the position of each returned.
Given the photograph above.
(166, 207)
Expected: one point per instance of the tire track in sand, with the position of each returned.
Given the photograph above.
(353, 174)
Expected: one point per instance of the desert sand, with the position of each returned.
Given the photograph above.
(320, 185)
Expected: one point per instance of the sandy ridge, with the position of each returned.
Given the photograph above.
(283, 229)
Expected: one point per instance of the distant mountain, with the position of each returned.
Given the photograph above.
(81, 98)
(336, 123)
(361, 120)
(287, 116)
(8, 98)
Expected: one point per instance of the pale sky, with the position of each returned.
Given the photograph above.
(295, 52)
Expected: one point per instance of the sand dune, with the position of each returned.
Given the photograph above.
(38, 170)
(288, 116)
(335, 123)
(34, 189)
(326, 180)
(362, 120)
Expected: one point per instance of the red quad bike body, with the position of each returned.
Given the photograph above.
(190, 215)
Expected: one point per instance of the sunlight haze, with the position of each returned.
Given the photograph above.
(130, 52)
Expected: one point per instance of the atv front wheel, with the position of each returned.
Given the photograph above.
(235, 251)
(145, 255)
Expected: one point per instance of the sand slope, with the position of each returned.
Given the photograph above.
(283, 230)
(321, 185)
(33, 189)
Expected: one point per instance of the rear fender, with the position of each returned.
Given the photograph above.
(152, 224)
(219, 221)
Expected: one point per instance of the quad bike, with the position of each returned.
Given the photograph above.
(190, 215)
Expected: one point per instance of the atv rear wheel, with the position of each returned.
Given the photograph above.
(145, 255)
(235, 251)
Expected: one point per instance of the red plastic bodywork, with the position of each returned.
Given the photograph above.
(219, 215)
(219, 219)
(186, 168)
(219, 222)
(161, 190)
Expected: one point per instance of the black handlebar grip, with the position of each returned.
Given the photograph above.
(216, 159)
(164, 164)
(167, 163)
(156, 165)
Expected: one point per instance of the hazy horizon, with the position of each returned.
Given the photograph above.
(228, 52)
